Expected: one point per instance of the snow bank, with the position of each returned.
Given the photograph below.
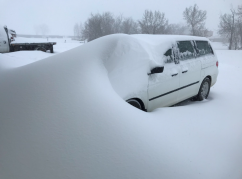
(220, 46)
(61, 118)
(21, 58)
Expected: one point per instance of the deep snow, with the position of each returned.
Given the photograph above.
(21, 58)
(61, 118)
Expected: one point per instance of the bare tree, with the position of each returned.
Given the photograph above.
(177, 29)
(44, 29)
(98, 25)
(230, 26)
(76, 30)
(227, 28)
(36, 29)
(107, 22)
(195, 18)
(232, 32)
(239, 24)
(153, 23)
(80, 32)
(117, 26)
(125, 25)
(237, 35)
(129, 26)
(92, 27)
(239, 12)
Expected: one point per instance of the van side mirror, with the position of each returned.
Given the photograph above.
(156, 70)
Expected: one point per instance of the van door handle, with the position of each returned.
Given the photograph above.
(4, 42)
(184, 71)
(174, 74)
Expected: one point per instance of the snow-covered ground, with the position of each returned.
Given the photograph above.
(61, 118)
(16, 59)
(220, 46)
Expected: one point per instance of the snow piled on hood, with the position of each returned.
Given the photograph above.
(119, 48)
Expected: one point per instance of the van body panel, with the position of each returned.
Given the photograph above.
(162, 87)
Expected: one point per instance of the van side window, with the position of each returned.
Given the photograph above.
(168, 56)
(204, 48)
(186, 50)
(1, 33)
(210, 48)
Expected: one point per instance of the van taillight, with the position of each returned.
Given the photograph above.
(217, 63)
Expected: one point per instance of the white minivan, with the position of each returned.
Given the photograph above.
(151, 71)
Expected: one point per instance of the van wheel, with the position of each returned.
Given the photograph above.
(134, 103)
(204, 89)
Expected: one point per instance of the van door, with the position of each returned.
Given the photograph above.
(4, 47)
(162, 87)
(190, 70)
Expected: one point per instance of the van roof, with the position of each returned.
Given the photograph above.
(159, 38)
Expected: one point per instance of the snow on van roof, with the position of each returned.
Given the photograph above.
(123, 47)
(156, 39)
(117, 48)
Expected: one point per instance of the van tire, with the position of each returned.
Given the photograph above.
(135, 103)
(204, 89)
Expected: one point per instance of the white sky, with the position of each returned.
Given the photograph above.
(61, 15)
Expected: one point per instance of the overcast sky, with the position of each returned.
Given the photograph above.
(61, 15)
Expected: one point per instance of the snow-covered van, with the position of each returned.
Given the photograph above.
(7, 46)
(150, 71)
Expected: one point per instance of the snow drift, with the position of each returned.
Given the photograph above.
(61, 118)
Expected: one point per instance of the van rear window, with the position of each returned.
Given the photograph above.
(204, 48)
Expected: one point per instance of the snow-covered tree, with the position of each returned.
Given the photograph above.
(107, 22)
(36, 29)
(80, 32)
(98, 25)
(129, 26)
(76, 30)
(117, 26)
(239, 22)
(177, 29)
(239, 11)
(153, 23)
(230, 26)
(44, 29)
(195, 18)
